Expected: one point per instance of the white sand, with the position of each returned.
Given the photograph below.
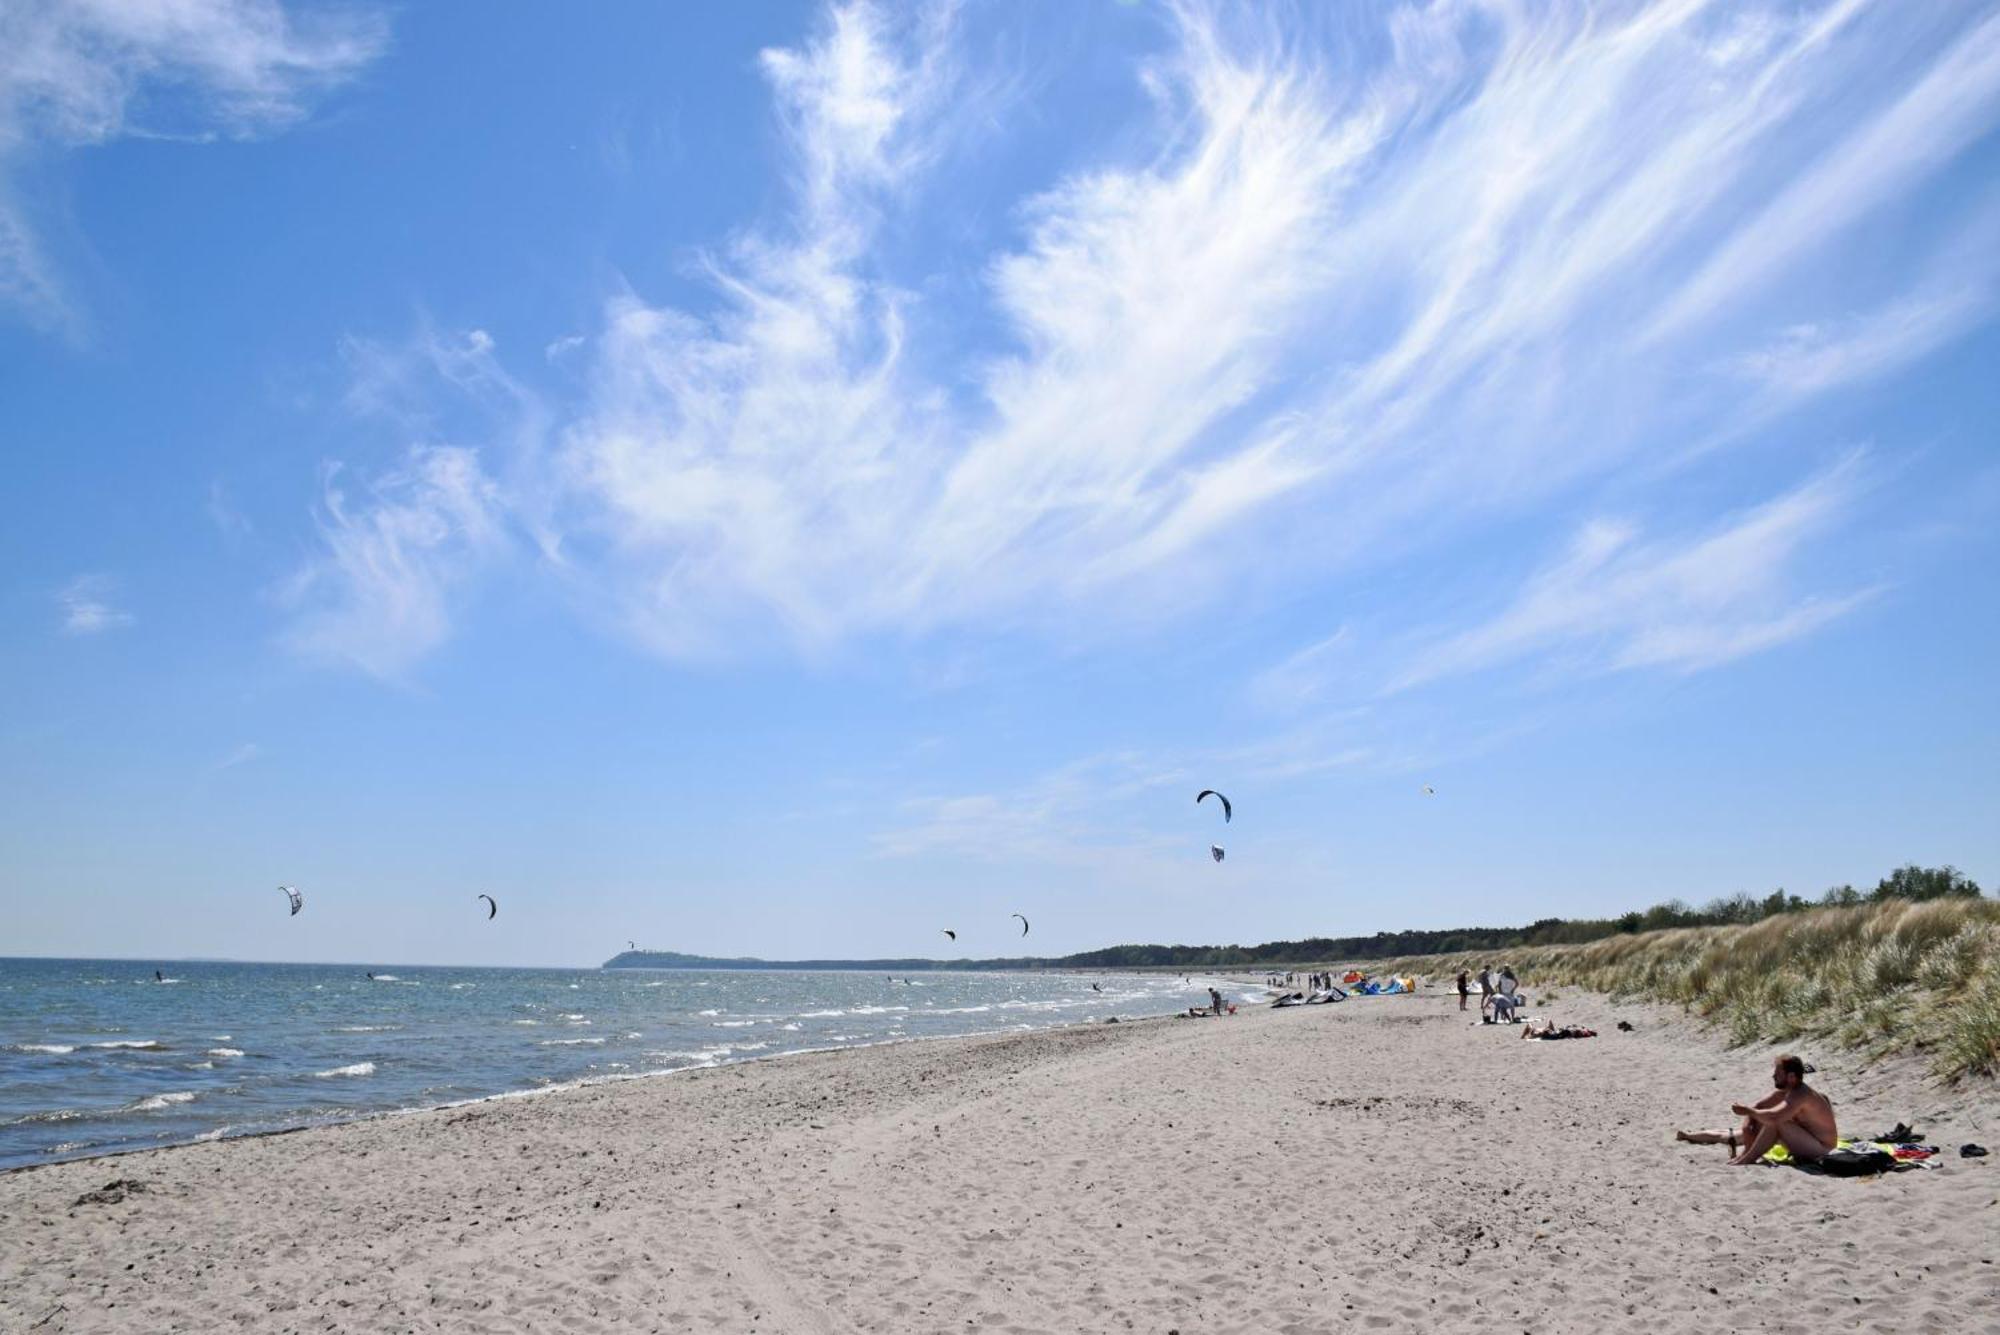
(1379, 1164)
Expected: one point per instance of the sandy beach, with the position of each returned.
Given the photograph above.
(1381, 1163)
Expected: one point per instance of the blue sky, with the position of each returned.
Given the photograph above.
(782, 479)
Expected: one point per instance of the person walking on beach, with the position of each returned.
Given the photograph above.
(1215, 1000)
(1464, 987)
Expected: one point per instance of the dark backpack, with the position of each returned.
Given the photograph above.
(1857, 1162)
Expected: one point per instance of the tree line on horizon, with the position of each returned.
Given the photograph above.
(1906, 883)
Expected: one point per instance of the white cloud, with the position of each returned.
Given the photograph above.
(378, 598)
(1950, 106)
(80, 72)
(1338, 292)
(242, 755)
(1302, 677)
(1055, 818)
(1816, 356)
(1615, 601)
(1107, 810)
(230, 522)
(86, 606)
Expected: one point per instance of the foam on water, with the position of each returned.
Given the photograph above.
(266, 1047)
(159, 1101)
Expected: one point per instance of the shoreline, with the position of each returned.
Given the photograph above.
(1430, 1174)
(559, 1087)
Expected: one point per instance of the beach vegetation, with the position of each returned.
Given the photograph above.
(1879, 974)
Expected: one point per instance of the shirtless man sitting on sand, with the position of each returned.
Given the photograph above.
(1794, 1113)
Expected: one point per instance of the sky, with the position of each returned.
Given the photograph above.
(785, 479)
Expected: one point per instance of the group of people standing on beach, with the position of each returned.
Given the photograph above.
(1499, 995)
(1315, 982)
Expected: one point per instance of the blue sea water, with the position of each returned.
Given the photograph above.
(97, 1056)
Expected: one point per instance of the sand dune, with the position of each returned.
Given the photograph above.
(1380, 1163)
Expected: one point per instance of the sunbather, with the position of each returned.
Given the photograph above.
(1793, 1112)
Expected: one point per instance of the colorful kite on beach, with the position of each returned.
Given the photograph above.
(1024, 923)
(492, 905)
(298, 900)
(1227, 810)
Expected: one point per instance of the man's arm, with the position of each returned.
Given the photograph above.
(1776, 1107)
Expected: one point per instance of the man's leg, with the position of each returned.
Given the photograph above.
(1804, 1145)
(1766, 1137)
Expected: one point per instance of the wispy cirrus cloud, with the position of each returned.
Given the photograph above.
(378, 598)
(74, 73)
(1615, 600)
(87, 608)
(1346, 289)
(241, 755)
(1104, 810)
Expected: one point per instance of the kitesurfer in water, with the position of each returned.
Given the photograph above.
(159, 977)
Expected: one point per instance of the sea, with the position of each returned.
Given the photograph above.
(99, 1056)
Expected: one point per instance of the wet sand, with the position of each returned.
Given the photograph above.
(1380, 1163)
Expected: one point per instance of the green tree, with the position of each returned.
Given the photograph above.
(1914, 882)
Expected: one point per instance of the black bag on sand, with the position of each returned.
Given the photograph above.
(1856, 1162)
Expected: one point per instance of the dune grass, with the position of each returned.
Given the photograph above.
(1880, 978)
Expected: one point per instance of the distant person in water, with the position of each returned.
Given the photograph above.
(159, 977)
(1464, 987)
(1793, 1113)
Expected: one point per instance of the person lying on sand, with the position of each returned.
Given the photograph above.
(1794, 1113)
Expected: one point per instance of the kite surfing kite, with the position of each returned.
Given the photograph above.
(1430, 791)
(492, 905)
(1024, 923)
(948, 932)
(1215, 850)
(631, 945)
(298, 900)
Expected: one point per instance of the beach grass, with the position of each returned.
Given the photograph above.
(1893, 977)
